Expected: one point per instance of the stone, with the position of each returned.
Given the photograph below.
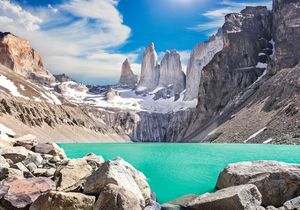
(94, 161)
(153, 205)
(31, 167)
(184, 200)
(276, 181)
(35, 158)
(15, 154)
(19, 193)
(50, 149)
(115, 197)
(127, 78)
(122, 174)
(39, 172)
(242, 197)
(3, 162)
(62, 200)
(293, 204)
(72, 176)
(171, 72)
(271, 208)
(201, 55)
(149, 71)
(10, 172)
(20, 166)
(28, 141)
(169, 206)
(20, 57)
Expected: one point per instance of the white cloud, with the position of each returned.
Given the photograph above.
(77, 37)
(15, 12)
(216, 17)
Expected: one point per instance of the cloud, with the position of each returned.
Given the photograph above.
(215, 18)
(79, 37)
(23, 18)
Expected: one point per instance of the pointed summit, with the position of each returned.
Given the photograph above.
(127, 78)
(150, 70)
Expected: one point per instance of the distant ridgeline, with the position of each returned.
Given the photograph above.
(240, 86)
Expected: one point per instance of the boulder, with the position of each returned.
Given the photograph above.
(94, 161)
(62, 200)
(50, 149)
(28, 141)
(149, 71)
(153, 205)
(293, 204)
(115, 197)
(127, 78)
(35, 158)
(276, 181)
(19, 193)
(3, 162)
(179, 203)
(123, 175)
(10, 172)
(169, 206)
(242, 197)
(111, 94)
(15, 154)
(72, 176)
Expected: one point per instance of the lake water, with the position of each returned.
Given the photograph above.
(174, 170)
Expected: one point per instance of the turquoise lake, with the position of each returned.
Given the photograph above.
(174, 170)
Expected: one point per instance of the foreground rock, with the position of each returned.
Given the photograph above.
(71, 177)
(123, 175)
(15, 154)
(61, 200)
(276, 181)
(19, 193)
(245, 197)
(117, 198)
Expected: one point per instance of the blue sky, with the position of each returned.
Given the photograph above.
(89, 39)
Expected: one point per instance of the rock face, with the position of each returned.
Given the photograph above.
(123, 175)
(127, 78)
(171, 73)
(236, 67)
(246, 197)
(17, 55)
(60, 200)
(201, 55)
(276, 181)
(150, 71)
(62, 78)
(286, 30)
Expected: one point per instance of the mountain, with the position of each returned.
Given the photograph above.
(20, 57)
(127, 78)
(249, 91)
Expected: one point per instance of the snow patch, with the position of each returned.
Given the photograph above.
(268, 141)
(255, 134)
(10, 86)
(5, 132)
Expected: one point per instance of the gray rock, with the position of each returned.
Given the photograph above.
(169, 206)
(72, 176)
(20, 166)
(153, 205)
(286, 30)
(15, 154)
(31, 166)
(95, 161)
(3, 162)
(293, 204)
(276, 181)
(122, 174)
(149, 72)
(115, 197)
(127, 78)
(111, 94)
(242, 197)
(184, 200)
(171, 72)
(10, 172)
(61, 200)
(28, 141)
(201, 55)
(35, 158)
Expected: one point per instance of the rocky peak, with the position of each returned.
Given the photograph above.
(201, 55)
(150, 70)
(17, 54)
(171, 72)
(286, 32)
(127, 78)
(62, 78)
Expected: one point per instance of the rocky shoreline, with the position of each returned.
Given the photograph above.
(39, 176)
